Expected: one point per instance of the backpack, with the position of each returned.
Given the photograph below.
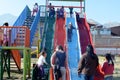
(57, 71)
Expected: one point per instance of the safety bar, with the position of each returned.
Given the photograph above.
(22, 35)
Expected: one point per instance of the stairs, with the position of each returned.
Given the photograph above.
(13, 66)
(28, 21)
(42, 19)
(21, 38)
(20, 41)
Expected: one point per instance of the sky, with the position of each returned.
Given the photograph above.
(102, 11)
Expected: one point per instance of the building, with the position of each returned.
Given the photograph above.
(105, 39)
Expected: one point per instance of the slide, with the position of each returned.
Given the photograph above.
(84, 33)
(47, 43)
(74, 51)
(17, 58)
(85, 39)
(60, 33)
(49, 35)
(60, 39)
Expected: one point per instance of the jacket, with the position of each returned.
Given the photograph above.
(87, 65)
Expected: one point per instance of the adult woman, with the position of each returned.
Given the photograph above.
(88, 64)
(58, 61)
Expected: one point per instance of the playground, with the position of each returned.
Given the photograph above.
(33, 32)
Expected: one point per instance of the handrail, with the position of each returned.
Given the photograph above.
(45, 29)
(19, 22)
(34, 26)
(88, 28)
(27, 38)
(64, 6)
(66, 50)
(78, 36)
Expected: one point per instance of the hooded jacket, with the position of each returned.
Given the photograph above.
(87, 65)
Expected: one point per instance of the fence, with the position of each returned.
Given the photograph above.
(107, 41)
(103, 51)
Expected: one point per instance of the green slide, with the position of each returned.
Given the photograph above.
(49, 37)
(47, 42)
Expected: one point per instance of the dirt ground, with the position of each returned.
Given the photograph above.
(15, 75)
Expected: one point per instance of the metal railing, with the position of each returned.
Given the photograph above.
(44, 12)
(34, 26)
(79, 48)
(19, 22)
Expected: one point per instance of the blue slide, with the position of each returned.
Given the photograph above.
(74, 50)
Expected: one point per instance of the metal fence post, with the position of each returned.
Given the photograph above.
(8, 65)
(1, 64)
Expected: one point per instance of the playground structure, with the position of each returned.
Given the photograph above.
(55, 33)
(20, 39)
(21, 42)
(81, 40)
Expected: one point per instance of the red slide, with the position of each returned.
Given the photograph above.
(60, 33)
(85, 35)
(17, 58)
(60, 39)
(85, 39)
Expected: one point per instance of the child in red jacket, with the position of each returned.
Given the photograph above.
(108, 67)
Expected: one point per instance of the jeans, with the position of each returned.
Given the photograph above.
(86, 77)
(109, 78)
(63, 71)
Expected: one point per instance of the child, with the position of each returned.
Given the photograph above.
(69, 32)
(6, 34)
(40, 63)
(71, 11)
(108, 67)
(35, 9)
